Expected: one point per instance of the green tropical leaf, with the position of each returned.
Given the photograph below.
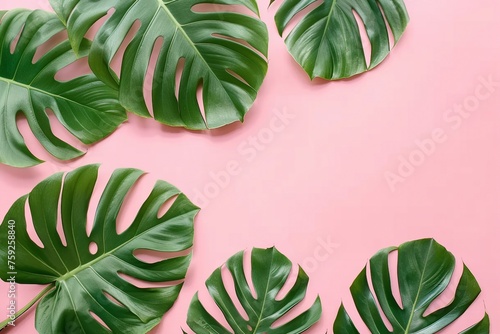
(85, 106)
(270, 271)
(424, 271)
(482, 327)
(224, 52)
(83, 283)
(327, 41)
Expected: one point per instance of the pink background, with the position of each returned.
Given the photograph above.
(322, 175)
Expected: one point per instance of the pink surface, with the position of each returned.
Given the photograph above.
(319, 174)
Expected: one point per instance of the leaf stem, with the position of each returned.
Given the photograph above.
(19, 313)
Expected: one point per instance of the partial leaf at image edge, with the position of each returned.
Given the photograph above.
(85, 106)
(87, 284)
(224, 52)
(482, 327)
(269, 272)
(327, 42)
(424, 271)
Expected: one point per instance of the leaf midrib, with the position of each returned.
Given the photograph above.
(265, 297)
(180, 28)
(81, 268)
(327, 24)
(74, 308)
(55, 96)
(334, 3)
(418, 291)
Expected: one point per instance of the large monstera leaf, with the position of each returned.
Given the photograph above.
(83, 283)
(424, 271)
(327, 41)
(223, 52)
(85, 106)
(270, 271)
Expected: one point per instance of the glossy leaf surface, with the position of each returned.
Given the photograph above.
(85, 106)
(270, 271)
(90, 285)
(216, 48)
(424, 271)
(327, 41)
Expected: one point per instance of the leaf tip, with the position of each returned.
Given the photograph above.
(32, 162)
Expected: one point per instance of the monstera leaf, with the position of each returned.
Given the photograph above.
(85, 285)
(424, 271)
(85, 106)
(216, 48)
(327, 41)
(270, 271)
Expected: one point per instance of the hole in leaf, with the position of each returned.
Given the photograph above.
(209, 303)
(133, 202)
(100, 321)
(166, 206)
(59, 225)
(61, 132)
(145, 284)
(447, 296)
(300, 15)
(228, 282)
(178, 75)
(199, 98)
(152, 256)
(16, 40)
(31, 142)
(113, 299)
(307, 302)
(55, 127)
(294, 312)
(239, 41)
(93, 248)
(76, 69)
(102, 179)
(237, 76)
(221, 8)
(388, 27)
(393, 271)
(95, 27)
(372, 290)
(350, 307)
(247, 269)
(365, 40)
(471, 316)
(290, 281)
(116, 61)
(150, 82)
(30, 227)
(49, 45)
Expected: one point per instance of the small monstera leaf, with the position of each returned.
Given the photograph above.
(221, 50)
(424, 271)
(86, 285)
(85, 106)
(327, 41)
(270, 271)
